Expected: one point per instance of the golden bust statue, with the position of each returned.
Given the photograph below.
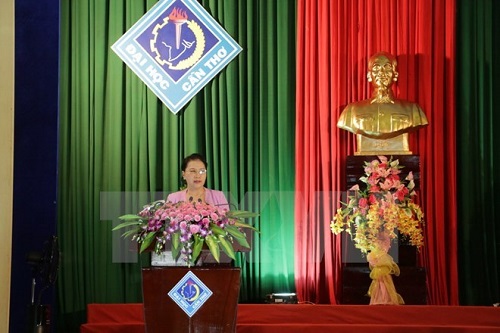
(382, 123)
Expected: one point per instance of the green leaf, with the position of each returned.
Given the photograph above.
(216, 229)
(198, 245)
(147, 241)
(129, 217)
(243, 242)
(212, 245)
(176, 242)
(227, 247)
(238, 235)
(244, 225)
(241, 214)
(130, 233)
(233, 231)
(126, 224)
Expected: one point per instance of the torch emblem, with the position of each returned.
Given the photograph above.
(179, 52)
(178, 18)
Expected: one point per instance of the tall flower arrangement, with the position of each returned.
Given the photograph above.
(188, 225)
(383, 207)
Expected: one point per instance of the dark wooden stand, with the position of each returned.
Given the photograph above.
(411, 283)
(216, 315)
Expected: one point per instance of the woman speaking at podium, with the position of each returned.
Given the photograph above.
(194, 172)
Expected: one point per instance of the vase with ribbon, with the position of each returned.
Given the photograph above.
(382, 266)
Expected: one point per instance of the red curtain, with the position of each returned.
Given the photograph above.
(335, 38)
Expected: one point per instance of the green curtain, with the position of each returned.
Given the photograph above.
(117, 140)
(478, 154)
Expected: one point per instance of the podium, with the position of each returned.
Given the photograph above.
(218, 288)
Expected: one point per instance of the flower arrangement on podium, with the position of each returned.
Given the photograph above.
(374, 215)
(188, 225)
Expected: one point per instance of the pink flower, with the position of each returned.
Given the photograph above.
(372, 199)
(354, 188)
(394, 177)
(395, 171)
(401, 193)
(386, 185)
(388, 198)
(194, 228)
(363, 203)
(382, 158)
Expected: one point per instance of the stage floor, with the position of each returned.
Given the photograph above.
(300, 318)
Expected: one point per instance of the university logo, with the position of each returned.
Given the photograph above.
(176, 48)
(190, 293)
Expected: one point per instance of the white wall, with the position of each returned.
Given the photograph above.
(6, 154)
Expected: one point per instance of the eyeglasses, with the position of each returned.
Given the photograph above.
(194, 172)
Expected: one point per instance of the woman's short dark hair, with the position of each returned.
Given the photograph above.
(193, 157)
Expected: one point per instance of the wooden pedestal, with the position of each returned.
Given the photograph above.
(216, 315)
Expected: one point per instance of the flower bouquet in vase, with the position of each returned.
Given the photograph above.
(188, 226)
(374, 215)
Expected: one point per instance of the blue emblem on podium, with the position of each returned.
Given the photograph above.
(176, 48)
(190, 293)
